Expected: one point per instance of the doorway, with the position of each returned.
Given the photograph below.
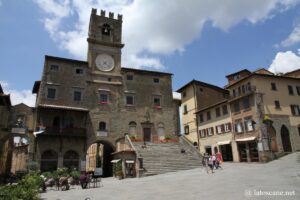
(147, 134)
(272, 135)
(226, 152)
(285, 138)
(208, 150)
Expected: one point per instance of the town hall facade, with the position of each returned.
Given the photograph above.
(80, 103)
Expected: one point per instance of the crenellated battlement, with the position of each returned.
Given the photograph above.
(110, 14)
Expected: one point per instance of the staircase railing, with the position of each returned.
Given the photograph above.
(183, 139)
(137, 160)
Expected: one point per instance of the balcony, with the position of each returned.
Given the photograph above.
(248, 91)
(66, 132)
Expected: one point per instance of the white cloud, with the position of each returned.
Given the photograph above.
(293, 38)
(152, 28)
(285, 62)
(16, 96)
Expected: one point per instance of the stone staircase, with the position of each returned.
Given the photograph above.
(159, 158)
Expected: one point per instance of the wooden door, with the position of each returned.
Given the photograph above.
(285, 138)
(147, 134)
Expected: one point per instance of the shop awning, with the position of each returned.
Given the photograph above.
(224, 142)
(245, 139)
(129, 161)
(115, 161)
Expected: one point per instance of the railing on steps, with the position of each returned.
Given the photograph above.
(138, 159)
(183, 139)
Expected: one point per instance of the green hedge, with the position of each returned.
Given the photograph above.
(25, 189)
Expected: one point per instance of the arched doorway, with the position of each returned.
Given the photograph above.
(49, 161)
(71, 160)
(99, 155)
(285, 138)
(273, 140)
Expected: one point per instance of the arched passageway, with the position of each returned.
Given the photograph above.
(99, 156)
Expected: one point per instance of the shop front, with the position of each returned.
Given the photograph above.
(247, 148)
(226, 150)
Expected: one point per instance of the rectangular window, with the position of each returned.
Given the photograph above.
(201, 118)
(238, 127)
(183, 94)
(77, 96)
(103, 98)
(249, 125)
(273, 86)
(51, 93)
(185, 111)
(298, 90)
(291, 91)
(246, 103)
(225, 110)
(233, 92)
(186, 130)
(202, 133)
(239, 91)
(227, 127)
(54, 68)
(129, 77)
(210, 131)
(79, 71)
(208, 115)
(201, 89)
(130, 100)
(299, 129)
(277, 104)
(219, 129)
(155, 80)
(156, 102)
(295, 109)
(218, 112)
(236, 106)
(243, 89)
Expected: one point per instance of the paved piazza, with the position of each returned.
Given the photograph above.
(279, 179)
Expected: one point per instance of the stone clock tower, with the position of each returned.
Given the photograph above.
(105, 44)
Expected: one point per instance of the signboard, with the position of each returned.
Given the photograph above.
(102, 133)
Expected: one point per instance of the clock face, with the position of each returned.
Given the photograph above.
(105, 62)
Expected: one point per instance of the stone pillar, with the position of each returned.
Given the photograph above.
(60, 160)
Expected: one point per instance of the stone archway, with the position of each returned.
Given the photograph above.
(99, 155)
(285, 138)
(71, 160)
(273, 139)
(49, 160)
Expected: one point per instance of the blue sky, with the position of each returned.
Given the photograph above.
(196, 40)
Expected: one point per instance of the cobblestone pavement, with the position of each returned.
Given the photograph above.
(272, 180)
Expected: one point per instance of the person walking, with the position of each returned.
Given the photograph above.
(210, 164)
(213, 157)
(219, 160)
